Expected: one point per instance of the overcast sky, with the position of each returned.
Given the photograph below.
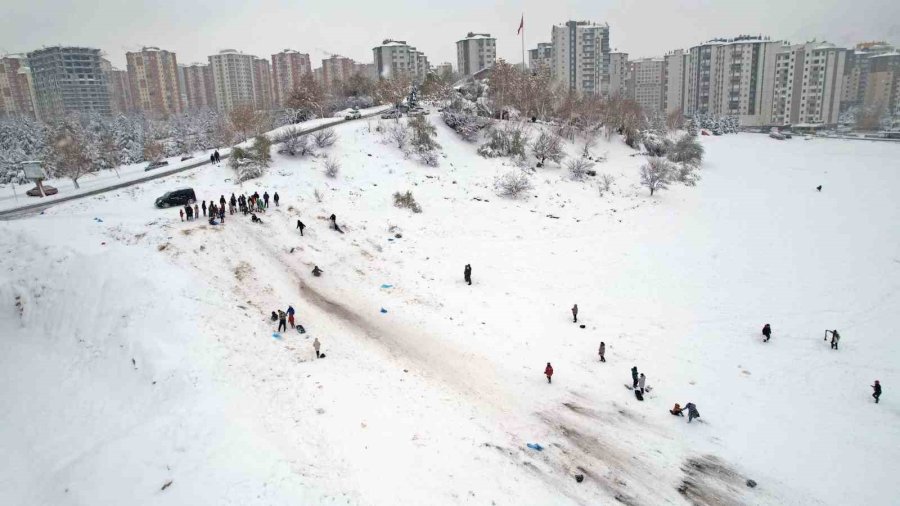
(196, 29)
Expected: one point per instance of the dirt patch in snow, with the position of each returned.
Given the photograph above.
(710, 482)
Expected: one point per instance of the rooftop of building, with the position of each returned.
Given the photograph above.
(476, 36)
(391, 42)
(582, 23)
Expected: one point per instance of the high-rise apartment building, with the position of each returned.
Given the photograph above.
(619, 75)
(444, 69)
(396, 57)
(119, 89)
(155, 90)
(69, 80)
(336, 70)
(807, 84)
(581, 56)
(365, 69)
(233, 75)
(648, 84)
(676, 74)
(199, 86)
(733, 77)
(476, 52)
(16, 87)
(882, 93)
(541, 57)
(856, 75)
(287, 67)
(262, 83)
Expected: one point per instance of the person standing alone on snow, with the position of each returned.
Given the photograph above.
(301, 226)
(575, 313)
(266, 199)
(602, 351)
(767, 332)
(877, 391)
(276, 198)
(290, 313)
(548, 371)
(467, 274)
(642, 381)
(282, 324)
(835, 337)
(317, 345)
(634, 376)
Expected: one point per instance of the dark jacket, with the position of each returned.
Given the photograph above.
(767, 330)
(634, 373)
(877, 387)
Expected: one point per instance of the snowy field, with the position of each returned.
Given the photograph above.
(136, 349)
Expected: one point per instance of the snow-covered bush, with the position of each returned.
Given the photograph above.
(656, 174)
(467, 125)
(245, 164)
(398, 134)
(513, 183)
(548, 146)
(605, 183)
(423, 134)
(332, 167)
(429, 158)
(295, 143)
(687, 150)
(578, 168)
(261, 150)
(510, 139)
(655, 144)
(407, 201)
(687, 174)
(325, 138)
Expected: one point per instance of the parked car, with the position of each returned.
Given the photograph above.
(392, 114)
(177, 198)
(777, 136)
(353, 114)
(48, 190)
(156, 165)
(416, 112)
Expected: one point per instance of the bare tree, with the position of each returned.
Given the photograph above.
(606, 182)
(547, 145)
(578, 168)
(245, 121)
(513, 183)
(70, 156)
(153, 150)
(325, 138)
(399, 134)
(656, 174)
(308, 96)
(393, 90)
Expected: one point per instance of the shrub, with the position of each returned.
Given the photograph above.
(423, 134)
(656, 145)
(465, 124)
(548, 146)
(656, 174)
(686, 150)
(513, 183)
(429, 158)
(325, 138)
(606, 182)
(507, 140)
(261, 150)
(407, 201)
(687, 174)
(332, 168)
(578, 168)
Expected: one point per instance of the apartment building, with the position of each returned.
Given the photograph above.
(287, 67)
(581, 56)
(619, 75)
(365, 69)
(444, 69)
(856, 75)
(68, 80)
(153, 74)
(119, 89)
(882, 92)
(335, 70)
(16, 87)
(807, 84)
(733, 77)
(199, 86)
(648, 84)
(476, 52)
(675, 86)
(396, 57)
(541, 57)
(262, 83)
(233, 79)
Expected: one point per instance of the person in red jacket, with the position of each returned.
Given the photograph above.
(548, 371)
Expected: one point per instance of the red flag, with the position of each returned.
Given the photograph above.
(521, 25)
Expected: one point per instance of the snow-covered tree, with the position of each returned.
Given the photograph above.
(393, 90)
(548, 146)
(308, 97)
(467, 125)
(70, 154)
(509, 139)
(261, 150)
(513, 183)
(687, 150)
(656, 174)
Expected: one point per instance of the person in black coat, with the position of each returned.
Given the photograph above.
(266, 199)
(767, 332)
(877, 391)
(217, 157)
(276, 198)
(301, 226)
(467, 274)
(634, 376)
(212, 158)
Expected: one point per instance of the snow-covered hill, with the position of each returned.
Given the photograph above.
(141, 353)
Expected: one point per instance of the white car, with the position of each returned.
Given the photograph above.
(353, 114)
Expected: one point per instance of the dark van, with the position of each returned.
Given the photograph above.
(177, 198)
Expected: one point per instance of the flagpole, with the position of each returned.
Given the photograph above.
(523, 42)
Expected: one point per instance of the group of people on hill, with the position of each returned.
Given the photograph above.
(253, 204)
(286, 318)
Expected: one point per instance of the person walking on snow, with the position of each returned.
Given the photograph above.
(189, 212)
(317, 345)
(835, 338)
(266, 199)
(196, 211)
(204, 208)
(877, 391)
(222, 214)
(301, 226)
(602, 351)
(642, 381)
(218, 158)
(222, 201)
(692, 411)
(181, 212)
(212, 158)
(575, 313)
(548, 372)
(767, 332)
(634, 376)
(467, 274)
(276, 198)
(290, 313)
(282, 324)
(333, 219)
(232, 204)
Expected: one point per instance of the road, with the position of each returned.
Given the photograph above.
(30, 209)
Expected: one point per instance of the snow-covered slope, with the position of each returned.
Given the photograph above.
(433, 402)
